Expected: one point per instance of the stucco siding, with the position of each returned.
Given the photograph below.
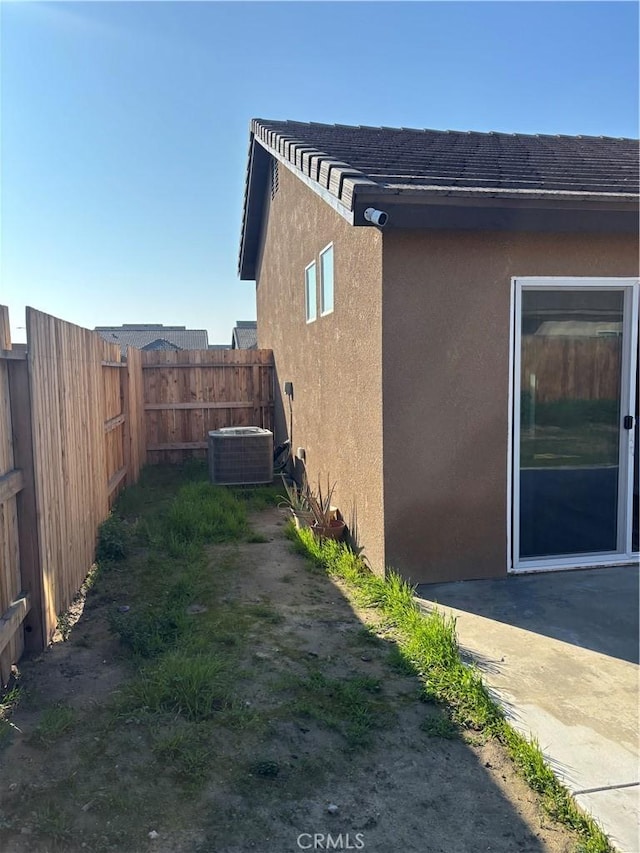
(334, 363)
(446, 303)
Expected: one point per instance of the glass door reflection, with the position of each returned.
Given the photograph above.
(571, 373)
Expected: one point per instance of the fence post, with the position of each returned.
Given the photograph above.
(28, 540)
(5, 328)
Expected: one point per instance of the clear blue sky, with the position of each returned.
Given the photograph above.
(125, 125)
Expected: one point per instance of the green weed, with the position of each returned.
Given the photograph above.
(151, 632)
(366, 636)
(399, 661)
(347, 706)
(264, 768)
(54, 722)
(205, 513)
(52, 823)
(186, 753)
(8, 702)
(256, 498)
(439, 726)
(266, 612)
(557, 801)
(112, 541)
(195, 687)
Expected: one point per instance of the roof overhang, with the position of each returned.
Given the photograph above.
(483, 212)
(256, 182)
(350, 192)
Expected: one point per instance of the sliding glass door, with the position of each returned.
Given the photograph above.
(573, 421)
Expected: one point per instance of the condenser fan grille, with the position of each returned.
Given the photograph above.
(240, 456)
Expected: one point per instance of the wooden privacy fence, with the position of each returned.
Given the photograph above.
(189, 393)
(70, 439)
(572, 368)
(76, 422)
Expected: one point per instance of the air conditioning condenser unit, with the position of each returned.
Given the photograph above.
(240, 456)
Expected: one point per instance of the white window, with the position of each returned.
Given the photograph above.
(310, 292)
(326, 280)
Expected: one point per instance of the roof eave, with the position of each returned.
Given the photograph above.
(469, 210)
(252, 211)
(428, 194)
(331, 179)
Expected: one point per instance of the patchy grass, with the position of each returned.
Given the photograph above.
(266, 612)
(235, 694)
(428, 644)
(9, 700)
(440, 726)
(54, 722)
(204, 513)
(265, 768)
(112, 540)
(367, 636)
(256, 539)
(256, 498)
(183, 646)
(190, 686)
(52, 823)
(353, 707)
(399, 661)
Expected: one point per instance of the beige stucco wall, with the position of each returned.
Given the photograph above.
(334, 362)
(446, 300)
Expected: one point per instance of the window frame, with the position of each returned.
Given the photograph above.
(324, 311)
(307, 305)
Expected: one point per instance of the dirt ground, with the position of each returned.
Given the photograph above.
(407, 791)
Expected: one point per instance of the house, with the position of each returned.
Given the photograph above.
(245, 335)
(403, 279)
(154, 336)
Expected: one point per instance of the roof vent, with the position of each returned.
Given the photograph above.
(240, 456)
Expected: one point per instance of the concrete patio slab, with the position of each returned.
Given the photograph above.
(560, 652)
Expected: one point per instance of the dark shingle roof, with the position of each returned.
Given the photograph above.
(409, 159)
(245, 335)
(401, 169)
(141, 336)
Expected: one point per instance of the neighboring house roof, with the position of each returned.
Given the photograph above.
(154, 336)
(160, 343)
(245, 335)
(352, 168)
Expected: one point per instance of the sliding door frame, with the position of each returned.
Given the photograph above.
(623, 554)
